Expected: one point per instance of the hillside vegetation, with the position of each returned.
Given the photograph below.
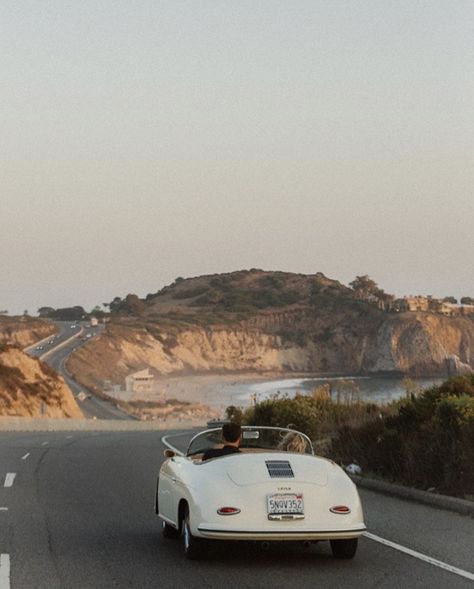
(425, 440)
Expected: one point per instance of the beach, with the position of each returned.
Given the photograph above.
(218, 391)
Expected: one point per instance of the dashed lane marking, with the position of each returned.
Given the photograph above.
(4, 571)
(420, 556)
(9, 478)
(45, 443)
(3, 508)
(25, 456)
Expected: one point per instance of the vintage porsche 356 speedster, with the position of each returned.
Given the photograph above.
(274, 489)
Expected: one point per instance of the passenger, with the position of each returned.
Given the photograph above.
(231, 435)
(293, 442)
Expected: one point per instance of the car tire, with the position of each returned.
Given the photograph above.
(193, 548)
(344, 548)
(168, 531)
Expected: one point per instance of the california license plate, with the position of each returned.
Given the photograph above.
(285, 504)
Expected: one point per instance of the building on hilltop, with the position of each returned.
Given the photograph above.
(429, 303)
(140, 382)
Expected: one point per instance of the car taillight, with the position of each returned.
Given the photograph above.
(341, 509)
(228, 510)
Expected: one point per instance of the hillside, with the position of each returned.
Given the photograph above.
(24, 331)
(29, 388)
(258, 321)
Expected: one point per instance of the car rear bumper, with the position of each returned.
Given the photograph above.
(279, 535)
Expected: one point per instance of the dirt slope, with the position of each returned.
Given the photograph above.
(29, 388)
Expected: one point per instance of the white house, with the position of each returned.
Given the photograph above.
(140, 382)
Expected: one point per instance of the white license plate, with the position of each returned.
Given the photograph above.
(287, 503)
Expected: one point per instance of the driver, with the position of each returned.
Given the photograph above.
(231, 435)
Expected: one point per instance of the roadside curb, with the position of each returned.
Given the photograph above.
(46, 424)
(461, 506)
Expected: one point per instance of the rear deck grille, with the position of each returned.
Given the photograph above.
(279, 469)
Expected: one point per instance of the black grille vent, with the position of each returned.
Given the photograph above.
(279, 469)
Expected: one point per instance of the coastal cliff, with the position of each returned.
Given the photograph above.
(255, 321)
(24, 331)
(29, 388)
(413, 344)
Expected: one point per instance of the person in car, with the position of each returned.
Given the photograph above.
(231, 435)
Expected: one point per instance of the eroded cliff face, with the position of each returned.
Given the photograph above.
(423, 344)
(29, 388)
(416, 344)
(23, 332)
(122, 351)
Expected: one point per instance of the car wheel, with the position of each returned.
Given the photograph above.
(168, 531)
(194, 548)
(344, 548)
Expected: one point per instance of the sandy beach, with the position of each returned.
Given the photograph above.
(218, 391)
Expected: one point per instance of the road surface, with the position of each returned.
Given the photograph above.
(55, 352)
(76, 512)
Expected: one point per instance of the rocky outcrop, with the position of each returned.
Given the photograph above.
(422, 344)
(30, 388)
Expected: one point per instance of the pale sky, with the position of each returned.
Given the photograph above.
(146, 140)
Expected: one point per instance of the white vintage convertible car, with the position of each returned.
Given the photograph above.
(274, 489)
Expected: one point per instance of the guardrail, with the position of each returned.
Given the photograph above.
(37, 424)
(462, 506)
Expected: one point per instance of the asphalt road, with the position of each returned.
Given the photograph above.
(55, 355)
(79, 514)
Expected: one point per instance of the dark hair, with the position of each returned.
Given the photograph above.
(231, 432)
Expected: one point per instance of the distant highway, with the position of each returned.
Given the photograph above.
(55, 352)
(76, 512)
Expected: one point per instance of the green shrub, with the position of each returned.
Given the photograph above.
(427, 442)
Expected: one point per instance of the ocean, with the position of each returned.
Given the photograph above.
(366, 388)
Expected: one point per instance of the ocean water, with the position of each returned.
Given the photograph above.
(372, 389)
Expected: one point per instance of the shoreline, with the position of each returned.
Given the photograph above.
(218, 391)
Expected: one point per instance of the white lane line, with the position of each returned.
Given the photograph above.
(25, 456)
(414, 553)
(420, 556)
(4, 571)
(45, 443)
(10, 477)
(3, 508)
(68, 437)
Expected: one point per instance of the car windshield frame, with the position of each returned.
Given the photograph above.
(263, 441)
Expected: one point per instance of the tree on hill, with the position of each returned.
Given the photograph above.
(134, 305)
(451, 300)
(367, 289)
(131, 304)
(75, 313)
(364, 286)
(467, 301)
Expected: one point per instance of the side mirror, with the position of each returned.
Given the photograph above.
(169, 453)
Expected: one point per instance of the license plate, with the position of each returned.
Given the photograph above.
(285, 504)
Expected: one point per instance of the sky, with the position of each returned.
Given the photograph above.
(146, 140)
